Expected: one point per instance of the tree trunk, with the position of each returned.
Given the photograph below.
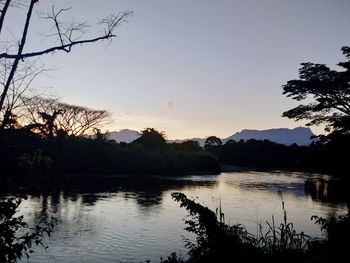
(3, 13)
(20, 50)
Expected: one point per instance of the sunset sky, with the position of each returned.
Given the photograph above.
(194, 68)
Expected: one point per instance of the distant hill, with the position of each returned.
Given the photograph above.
(124, 135)
(299, 135)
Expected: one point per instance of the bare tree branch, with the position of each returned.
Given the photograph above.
(111, 23)
(68, 34)
(3, 13)
(49, 116)
(19, 53)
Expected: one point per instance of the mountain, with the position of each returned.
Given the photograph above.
(299, 135)
(124, 135)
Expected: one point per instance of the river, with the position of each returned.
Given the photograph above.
(135, 219)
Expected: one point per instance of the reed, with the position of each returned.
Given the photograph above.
(281, 237)
(217, 241)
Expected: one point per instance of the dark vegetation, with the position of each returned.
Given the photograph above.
(28, 156)
(328, 91)
(14, 246)
(322, 157)
(21, 149)
(217, 241)
(41, 137)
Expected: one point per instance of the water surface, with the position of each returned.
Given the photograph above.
(133, 219)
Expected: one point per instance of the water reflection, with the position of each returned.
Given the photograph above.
(326, 190)
(135, 219)
(146, 193)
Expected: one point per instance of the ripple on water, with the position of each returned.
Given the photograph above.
(128, 225)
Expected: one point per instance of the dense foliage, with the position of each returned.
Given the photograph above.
(27, 154)
(327, 92)
(16, 236)
(217, 241)
(322, 157)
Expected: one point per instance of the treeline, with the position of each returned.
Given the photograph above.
(322, 156)
(27, 154)
(150, 154)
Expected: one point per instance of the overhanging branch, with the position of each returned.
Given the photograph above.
(67, 48)
(111, 23)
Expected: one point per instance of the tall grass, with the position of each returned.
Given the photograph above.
(281, 237)
(217, 241)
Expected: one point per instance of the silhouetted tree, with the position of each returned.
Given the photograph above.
(16, 236)
(68, 35)
(49, 116)
(230, 141)
(151, 139)
(100, 136)
(330, 91)
(20, 85)
(212, 141)
(189, 145)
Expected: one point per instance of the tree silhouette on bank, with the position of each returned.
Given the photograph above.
(212, 141)
(330, 91)
(50, 116)
(68, 35)
(151, 139)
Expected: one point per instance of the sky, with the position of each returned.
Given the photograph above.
(191, 68)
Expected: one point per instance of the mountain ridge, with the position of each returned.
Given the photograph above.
(124, 135)
(299, 135)
(286, 136)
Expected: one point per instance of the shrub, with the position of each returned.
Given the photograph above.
(12, 245)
